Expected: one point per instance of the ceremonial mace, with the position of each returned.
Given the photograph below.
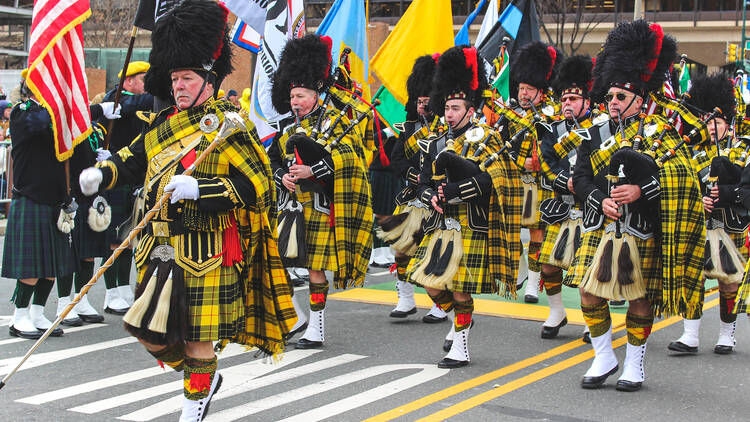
(232, 124)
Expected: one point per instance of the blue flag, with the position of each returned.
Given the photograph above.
(462, 37)
(519, 22)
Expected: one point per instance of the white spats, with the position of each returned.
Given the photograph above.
(316, 328)
(604, 356)
(633, 370)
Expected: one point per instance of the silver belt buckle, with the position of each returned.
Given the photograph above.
(575, 214)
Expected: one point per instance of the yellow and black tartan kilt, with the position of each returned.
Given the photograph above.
(648, 251)
(743, 294)
(216, 310)
(472, 276)
(542, 194)
(321, 251)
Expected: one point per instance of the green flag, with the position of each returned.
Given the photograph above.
(502, 81)
(389, 109)
(684, 79)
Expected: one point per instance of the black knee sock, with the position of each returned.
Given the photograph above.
(41, 291)
(84, 274)
(123, 267)
(64, 284)
(110, 275)
(22, 295)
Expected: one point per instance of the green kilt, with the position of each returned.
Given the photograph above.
(34, 247)
(473, 276)
(384, 186)
(86, 242)
(121, 201)
(648, 251)
(321, 251)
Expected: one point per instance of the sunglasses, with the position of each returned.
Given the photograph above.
(621, 96)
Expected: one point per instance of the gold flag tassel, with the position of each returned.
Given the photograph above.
(442, 256)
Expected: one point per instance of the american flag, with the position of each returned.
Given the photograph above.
(669, 93)
(56, 73)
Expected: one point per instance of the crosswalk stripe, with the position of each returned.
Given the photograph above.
(241, 379)
(427, 373)
(296, 394)
(87, 387)
(256, 368)
(39, 359)
(66, 330)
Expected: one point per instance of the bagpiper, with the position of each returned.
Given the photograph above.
(630, 197)
(321, 172)
(533, 68)
(471, 243)
(208, 262)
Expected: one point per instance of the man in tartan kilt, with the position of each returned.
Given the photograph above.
(643, 224)
(406, 162)
(533, 68)
(331, 186)
(37, 242)
(471, 241)
(719, 177)
(563, 214)
(134, 101)
(208, 263)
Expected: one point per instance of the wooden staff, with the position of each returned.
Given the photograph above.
(232, 123)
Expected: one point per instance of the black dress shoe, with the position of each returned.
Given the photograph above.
(447, 344)
(308, 344)
(680, 347)
(31, 335)
(298, 282)
(448, 363)
(93, 318)
(586, 337)
(57, 332)
(299, 329)
(381, 265)
(551, 332)
(723, 350)
(403, 314)
(432, 319)
(114, 311)
(596, 382)
(531, 299)
(617, 303)
(630, 386)
(72, 322)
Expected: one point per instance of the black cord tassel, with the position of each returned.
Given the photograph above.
(726, 260)
(527, 205)
(445, 259)
(709, 265)
(604, 275)
(577, 238)
(625, 265)
(562, 244)
(430, 268)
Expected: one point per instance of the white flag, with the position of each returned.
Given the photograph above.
(252, 12)
(285, 19)
(490, 17)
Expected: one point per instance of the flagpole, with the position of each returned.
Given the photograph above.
(133, 34)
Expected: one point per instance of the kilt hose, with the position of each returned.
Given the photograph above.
(86, 242)
(472, 276)
(648, 251)
(321, 249)
(34, 247)
(121, 201)
(384, 187)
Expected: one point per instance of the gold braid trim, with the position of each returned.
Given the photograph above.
(110, 165)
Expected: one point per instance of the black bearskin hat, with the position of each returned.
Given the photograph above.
(709, 92)
(535, 64)
(459, 75)
(419, 83)
(636, 56)
(194, 35)
(574, 76)
(305, 62)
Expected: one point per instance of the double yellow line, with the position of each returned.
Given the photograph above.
(512, 385)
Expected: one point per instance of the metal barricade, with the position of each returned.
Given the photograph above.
(6, 172)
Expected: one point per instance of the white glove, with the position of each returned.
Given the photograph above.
(182, 187)
(90, 179)
(109, 110)
(102, 154)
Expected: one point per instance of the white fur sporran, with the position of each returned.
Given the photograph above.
(66, 219)
(100, 214)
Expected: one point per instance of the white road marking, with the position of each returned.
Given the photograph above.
(39, 359)
(428, 373)
(241, 379)
(308, 391)
(66, 330)
(87, 387)
(380, 273)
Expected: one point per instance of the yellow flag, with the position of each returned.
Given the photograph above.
(425, 28)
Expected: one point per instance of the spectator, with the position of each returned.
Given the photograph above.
(232, 98)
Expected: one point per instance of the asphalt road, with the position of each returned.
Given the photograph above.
(373, 366)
